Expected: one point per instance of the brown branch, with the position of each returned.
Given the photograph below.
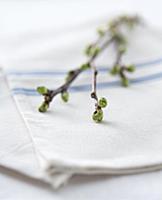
(106, 37)
(75, 73)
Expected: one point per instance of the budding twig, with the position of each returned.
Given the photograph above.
(108, 35)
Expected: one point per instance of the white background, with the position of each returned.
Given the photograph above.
(22, 25)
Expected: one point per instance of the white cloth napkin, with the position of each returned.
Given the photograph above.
(65, 141)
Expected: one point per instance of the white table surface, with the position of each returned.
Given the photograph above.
(19, 20)
(144, 186)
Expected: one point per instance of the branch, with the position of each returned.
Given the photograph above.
(71, 76)
(107, 35)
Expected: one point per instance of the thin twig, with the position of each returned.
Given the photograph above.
(106, 37)
(94, 83)
(76, 73)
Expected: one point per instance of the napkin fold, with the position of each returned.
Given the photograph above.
(65, 141)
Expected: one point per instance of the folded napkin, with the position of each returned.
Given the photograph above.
(65, 141)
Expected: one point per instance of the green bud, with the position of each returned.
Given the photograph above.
(69, 74)
(42, 90)
(120, 39)
(85, 66)
(43, 108)
(88, 50)
(130, 68)
(103, 102)
(92, 50)
(125, 82)
(122, 48)
(65, 96)
(101, 32)
(98, 115)
(113, 31)
(95, 51)
(111, 24)
(115, 70)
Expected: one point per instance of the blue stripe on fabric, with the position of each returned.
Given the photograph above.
(58, 73)
(87, 87)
